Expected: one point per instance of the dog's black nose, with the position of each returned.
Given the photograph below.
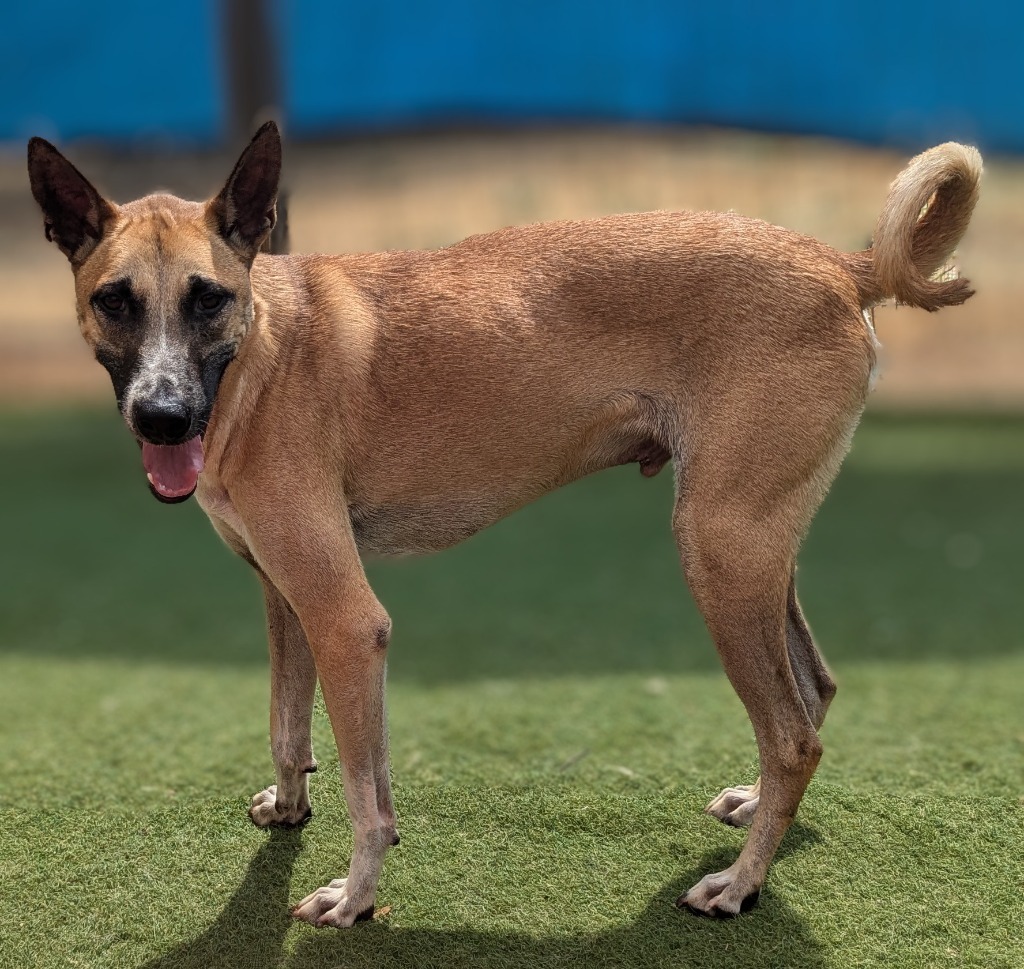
(162, 420)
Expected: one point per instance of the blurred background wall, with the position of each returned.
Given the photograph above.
(900, 73)
(414, 124)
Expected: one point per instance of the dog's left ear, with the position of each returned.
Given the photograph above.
(246, 208)
(74, 213)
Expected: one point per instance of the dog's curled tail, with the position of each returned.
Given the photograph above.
(926, 214)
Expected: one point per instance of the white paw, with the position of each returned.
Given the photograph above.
(736, 805)
(721, 895)
(266, 811)
(331, 905)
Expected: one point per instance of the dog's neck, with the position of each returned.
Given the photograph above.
(247, 378)
(302, 306)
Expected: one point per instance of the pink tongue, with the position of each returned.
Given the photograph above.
(173, 470)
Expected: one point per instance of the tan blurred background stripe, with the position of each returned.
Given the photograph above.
(430, 190)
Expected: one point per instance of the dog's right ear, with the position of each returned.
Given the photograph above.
(74, 213)
(246, 208)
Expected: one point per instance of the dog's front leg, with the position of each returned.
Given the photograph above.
(307, 551)
(350, 657)
(292, 688)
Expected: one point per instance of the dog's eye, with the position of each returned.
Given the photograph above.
(211, 303)
(113, 302)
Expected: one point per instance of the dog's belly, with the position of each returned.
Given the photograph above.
(416, 493)
(419, 529)
(423, 525)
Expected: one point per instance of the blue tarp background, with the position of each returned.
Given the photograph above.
(909, 73)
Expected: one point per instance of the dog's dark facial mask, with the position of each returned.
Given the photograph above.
(163, 291)
(166, 341)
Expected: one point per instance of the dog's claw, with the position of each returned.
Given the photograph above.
(366, 915)
(714, 913)
(750, 901)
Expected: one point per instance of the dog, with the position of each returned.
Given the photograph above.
(324, 408)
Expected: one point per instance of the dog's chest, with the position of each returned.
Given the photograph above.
(214, 500)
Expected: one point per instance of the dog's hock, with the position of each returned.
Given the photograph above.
(74, 213)
(245, 210)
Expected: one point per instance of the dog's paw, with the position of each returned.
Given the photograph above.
(736, 805)
(721, 895)
(331, 906)
(266, 811)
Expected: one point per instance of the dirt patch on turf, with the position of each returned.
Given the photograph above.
(425, 191)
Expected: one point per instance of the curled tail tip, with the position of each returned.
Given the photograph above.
(926, 214)
(953, 156)
(950, 169)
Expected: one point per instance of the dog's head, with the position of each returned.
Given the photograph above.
(163, 293)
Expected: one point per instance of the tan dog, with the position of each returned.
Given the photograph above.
(327, 407)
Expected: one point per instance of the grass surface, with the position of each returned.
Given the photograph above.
(558, 722)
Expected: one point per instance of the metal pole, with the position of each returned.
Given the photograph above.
(253, 74)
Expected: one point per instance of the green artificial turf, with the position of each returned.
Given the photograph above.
(558, 722)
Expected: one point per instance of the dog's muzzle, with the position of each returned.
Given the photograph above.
(163, 420)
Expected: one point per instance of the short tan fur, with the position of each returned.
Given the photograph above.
(399, 402)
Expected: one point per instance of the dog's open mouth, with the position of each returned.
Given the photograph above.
(173, 470)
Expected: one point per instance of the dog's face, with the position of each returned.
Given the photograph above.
(163, 293)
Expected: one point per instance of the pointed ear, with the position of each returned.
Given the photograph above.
(246, 208)
(74, 213)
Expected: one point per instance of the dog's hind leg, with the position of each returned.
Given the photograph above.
(753, 472)
(817, 688)
(292, 687)
(736, 805)
(738, 565)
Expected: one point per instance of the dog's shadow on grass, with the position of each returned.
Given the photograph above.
(250, 931)
(252, 928)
